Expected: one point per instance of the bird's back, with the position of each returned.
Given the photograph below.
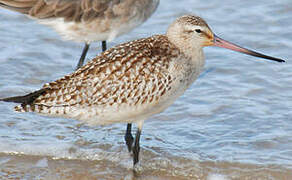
(70, 10)
(86, 20)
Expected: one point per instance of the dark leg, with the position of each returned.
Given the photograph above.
(84, 52)
(128, 137)
(136, 148)
(103, 45)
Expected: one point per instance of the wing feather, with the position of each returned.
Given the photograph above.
(130, 73)
(75, 10)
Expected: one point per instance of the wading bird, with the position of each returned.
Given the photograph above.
(131, 81)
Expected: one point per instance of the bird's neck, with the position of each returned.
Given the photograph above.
(190, 50)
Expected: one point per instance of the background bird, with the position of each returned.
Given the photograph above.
(132, 81)
(86, 20)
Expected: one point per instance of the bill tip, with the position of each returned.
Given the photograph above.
(281, 61)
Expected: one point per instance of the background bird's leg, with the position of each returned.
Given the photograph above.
(103, 45)
(83, 55)
(128, 137)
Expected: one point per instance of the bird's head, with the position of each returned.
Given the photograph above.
(191, 33)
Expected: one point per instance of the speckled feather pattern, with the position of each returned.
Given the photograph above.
(134, 75)
(193, 20)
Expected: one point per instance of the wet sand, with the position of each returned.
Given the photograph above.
(46, 168)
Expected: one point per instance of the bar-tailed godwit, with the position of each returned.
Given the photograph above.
(86, 20)
(132, 81)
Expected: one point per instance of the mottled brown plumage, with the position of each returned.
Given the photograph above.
(131, 74)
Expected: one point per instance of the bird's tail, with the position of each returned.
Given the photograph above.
(26, 99)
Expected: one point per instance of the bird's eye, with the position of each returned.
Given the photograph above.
(198, 30)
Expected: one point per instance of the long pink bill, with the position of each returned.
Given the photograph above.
(228, 45)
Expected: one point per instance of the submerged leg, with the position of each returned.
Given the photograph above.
(128, 137)
(83, 55)
(136, 148)
(103, 45)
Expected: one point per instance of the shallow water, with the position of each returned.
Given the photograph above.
(233, 123)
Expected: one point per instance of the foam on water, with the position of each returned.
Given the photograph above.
(217, 177)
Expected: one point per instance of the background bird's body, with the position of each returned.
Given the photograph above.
(86, 21)
(127, 83)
